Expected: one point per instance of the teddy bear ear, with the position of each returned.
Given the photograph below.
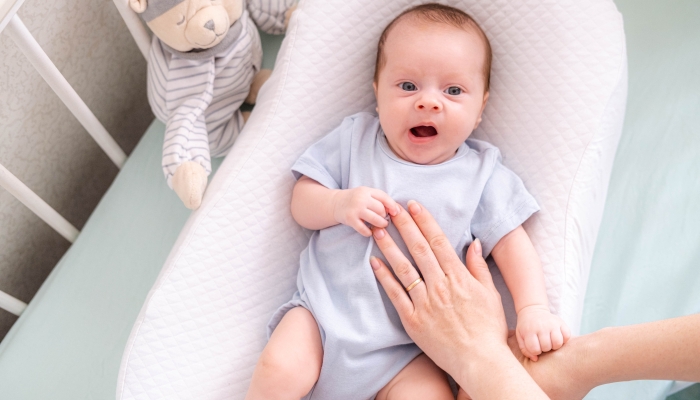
(138, 6)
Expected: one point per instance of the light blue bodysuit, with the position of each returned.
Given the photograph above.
(470, 195)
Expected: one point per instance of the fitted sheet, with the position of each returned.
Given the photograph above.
(67, 344)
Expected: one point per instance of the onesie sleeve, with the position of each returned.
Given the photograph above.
(328, 160)
(504, 205)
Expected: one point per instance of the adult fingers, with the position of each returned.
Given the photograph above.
(419, 247)
(402, 267)
(391, 206)
(373, 219)
(396, 293)
(442, 248)
(477, 265)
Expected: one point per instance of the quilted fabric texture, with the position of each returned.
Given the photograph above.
(556, 109)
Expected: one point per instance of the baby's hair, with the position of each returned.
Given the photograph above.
(438, 13)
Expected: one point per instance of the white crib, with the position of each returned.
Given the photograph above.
(13, 26)
(77, 324)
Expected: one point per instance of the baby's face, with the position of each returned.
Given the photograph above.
(430, 93)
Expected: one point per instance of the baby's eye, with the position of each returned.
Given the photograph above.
(407, 86)
(181, 21)
(453, 90)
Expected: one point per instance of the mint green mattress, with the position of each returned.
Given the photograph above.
(69, 342)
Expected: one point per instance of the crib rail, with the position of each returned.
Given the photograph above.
(11, 24)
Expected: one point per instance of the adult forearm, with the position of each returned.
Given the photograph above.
(668, 349)
(665, 349)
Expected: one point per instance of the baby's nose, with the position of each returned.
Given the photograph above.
(428, 103)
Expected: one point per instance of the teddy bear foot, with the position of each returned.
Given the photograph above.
(189, 182)
(260, 78)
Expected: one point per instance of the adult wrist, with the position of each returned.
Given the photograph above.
(496, 374)
(482, 360)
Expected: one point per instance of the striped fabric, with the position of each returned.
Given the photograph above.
(198, 99)
(269, 14)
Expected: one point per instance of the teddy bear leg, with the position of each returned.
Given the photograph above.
(260, 78)
(189, 182)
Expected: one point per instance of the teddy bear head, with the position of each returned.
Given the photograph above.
(187, 25)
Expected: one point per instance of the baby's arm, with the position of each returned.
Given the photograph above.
(538, 330)
(315, 206)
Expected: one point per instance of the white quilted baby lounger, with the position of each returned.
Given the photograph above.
(558, 92)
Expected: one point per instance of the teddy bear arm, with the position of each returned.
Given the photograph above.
(185, 141)
(270, 15)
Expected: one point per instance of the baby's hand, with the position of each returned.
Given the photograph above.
(354, 207)
(540, 331)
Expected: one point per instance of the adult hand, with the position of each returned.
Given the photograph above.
(455, 315)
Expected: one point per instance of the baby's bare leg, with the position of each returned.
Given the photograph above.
(420, 379)
(290, 363)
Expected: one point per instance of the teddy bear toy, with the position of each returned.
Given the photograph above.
(204, 62)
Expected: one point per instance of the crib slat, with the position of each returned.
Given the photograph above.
(133, 22)
(11, 304)
(8, 8)
(37, 205)
(26, 42)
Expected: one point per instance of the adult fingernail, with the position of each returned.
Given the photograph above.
(374, 262)
(477, 246)
(413, 207)
(379, 233)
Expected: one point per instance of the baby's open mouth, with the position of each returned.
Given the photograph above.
(423, 131)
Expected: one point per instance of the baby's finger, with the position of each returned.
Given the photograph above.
(361, 228)
(566, 332)
(532, 343)
(391, 206)
(545, 341)
(557, 339)
(373, 219)
(521, 345)
(377, 207)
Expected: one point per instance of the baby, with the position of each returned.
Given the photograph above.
(339, 337)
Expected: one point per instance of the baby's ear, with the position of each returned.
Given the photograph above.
(138, 6)
(483, 106)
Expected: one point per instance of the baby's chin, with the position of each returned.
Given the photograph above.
(422, 157)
